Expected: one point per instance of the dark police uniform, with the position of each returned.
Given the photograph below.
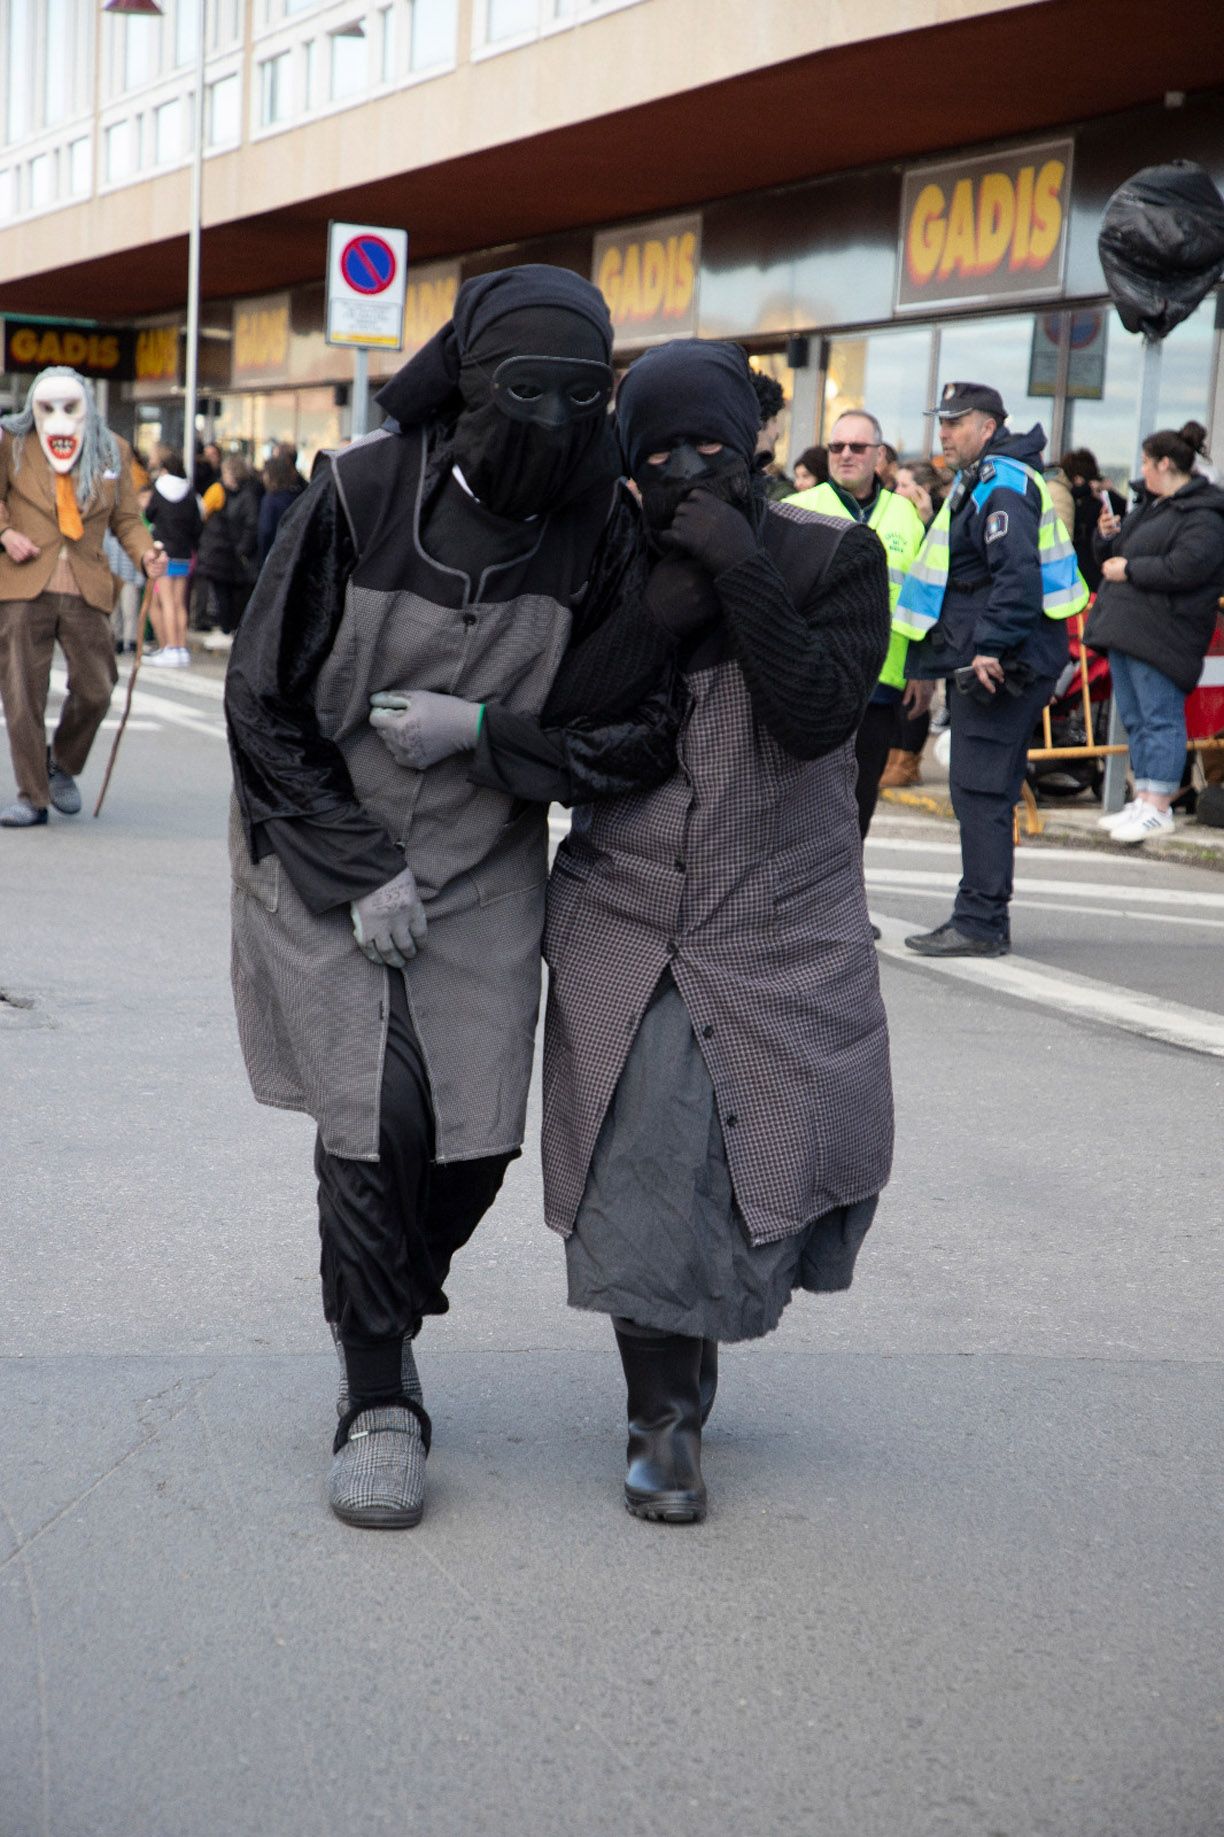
(992, 607)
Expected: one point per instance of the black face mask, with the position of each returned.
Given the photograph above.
(533, 426)
(664, 488)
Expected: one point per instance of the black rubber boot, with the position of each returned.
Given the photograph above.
(709, 1377)
(663, 1378)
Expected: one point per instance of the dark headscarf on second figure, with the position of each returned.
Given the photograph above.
(520, 377)
(676, 399)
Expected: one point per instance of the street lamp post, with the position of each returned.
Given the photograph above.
(150, 9)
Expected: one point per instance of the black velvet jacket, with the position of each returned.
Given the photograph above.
(609, 725)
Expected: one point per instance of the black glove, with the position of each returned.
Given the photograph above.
(680, 596)
(711, 531)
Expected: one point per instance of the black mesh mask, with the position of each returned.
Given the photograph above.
(664, 487)
(534, 429)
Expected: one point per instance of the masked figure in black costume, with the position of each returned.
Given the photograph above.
(717, 1102)
(387, 917)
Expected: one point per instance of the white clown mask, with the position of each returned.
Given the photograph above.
(60, 412)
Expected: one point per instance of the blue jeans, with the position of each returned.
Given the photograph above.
(1153, 711)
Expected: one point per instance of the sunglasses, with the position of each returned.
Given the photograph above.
(857, 447)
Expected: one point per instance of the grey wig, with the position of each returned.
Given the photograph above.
(99, 448)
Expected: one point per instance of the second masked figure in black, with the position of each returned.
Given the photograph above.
(387, 917)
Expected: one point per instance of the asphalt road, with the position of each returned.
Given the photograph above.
(961, 1575)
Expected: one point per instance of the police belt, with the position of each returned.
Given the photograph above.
(968, 586)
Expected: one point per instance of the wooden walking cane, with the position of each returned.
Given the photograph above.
(145, 603)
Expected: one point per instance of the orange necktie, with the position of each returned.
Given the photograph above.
(67, 510)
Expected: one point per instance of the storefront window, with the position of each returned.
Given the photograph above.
(318, 425)
(773, 363)
(1002, 352)
(888, 374)
(1109, 426)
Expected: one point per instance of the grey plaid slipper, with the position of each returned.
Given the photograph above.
(377, 1478)
(410, 1382)
(64, 793)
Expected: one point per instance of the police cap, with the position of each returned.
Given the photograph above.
(958, 399)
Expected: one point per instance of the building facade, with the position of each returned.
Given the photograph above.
(868, 206)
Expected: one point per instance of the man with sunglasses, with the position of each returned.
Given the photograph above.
(856, 490)
(387, 918)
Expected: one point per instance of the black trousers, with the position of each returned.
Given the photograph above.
(390, 1227)
(989, 744)
(877, 735)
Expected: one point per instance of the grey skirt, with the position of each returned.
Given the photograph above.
(659, 1238)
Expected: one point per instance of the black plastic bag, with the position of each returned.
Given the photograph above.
(1162, 245)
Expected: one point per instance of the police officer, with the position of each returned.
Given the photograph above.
(985, 601)
(855, 490)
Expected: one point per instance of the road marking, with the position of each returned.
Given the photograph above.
(900, 879)
(1048, 857)
(145, 701)
(1077, 997)
(1081, 911)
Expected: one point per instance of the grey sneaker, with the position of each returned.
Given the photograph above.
(377, 1478)
(410, 1382)
(64, 793)
(21, 815)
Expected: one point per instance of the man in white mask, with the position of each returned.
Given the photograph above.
(59, 494)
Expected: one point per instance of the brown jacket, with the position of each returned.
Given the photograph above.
(27, 504)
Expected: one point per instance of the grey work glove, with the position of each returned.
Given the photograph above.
(419, 728)
(389, 923)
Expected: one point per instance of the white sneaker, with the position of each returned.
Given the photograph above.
(182, 658)
(1119, 816)
(1143, 821)
(165, 659)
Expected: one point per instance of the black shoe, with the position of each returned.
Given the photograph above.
(950, 941)
(709, 1377)
(875, 932)
(663, 1379)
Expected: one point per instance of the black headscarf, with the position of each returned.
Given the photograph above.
(515, 468)
(679, 397)
(692, 389)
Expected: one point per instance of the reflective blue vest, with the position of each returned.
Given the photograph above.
(1064, 591)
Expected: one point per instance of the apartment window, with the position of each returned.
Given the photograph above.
(139, 52)
(18, 114)
(167, 133)
(434, 27)
(510, 19)
(42, 181)
(274, 81)
(118, 150)
(187, 31)
(59, 73)
(79, 167)
(386, 45)
(349, 63)
(8, 194)
(298, 6)
(223, 101)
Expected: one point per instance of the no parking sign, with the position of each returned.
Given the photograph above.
(367, 272)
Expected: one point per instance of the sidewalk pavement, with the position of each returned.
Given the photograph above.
(1070, 823)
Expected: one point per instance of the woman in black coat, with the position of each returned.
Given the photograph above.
(228, 555)
(1162, 573)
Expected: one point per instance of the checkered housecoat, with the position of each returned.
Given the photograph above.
(743, 875)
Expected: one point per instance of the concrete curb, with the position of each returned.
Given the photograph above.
(1182, 849)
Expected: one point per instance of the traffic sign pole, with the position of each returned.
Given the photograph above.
(361, 391)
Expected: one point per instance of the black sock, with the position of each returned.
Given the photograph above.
(374, 1371)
